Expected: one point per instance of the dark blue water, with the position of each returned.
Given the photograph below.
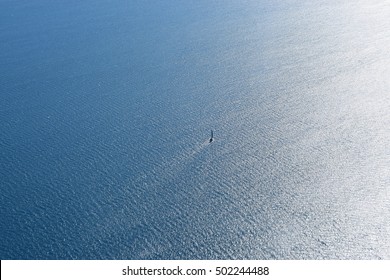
(106, 109)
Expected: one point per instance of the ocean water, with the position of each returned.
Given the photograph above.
(106, 109)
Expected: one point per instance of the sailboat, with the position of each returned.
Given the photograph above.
(212, 137)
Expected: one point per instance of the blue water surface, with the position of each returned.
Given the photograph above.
(106, 109)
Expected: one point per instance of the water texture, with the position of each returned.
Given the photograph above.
(106, 109)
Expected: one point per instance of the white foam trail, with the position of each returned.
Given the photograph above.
(200, 148)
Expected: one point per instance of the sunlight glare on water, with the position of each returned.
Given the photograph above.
(106, 112)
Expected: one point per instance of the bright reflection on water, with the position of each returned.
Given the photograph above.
(106, 110)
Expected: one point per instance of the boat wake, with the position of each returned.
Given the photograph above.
(170, 169)
(199, 148)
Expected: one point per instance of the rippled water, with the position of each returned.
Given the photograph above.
(106, 109)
